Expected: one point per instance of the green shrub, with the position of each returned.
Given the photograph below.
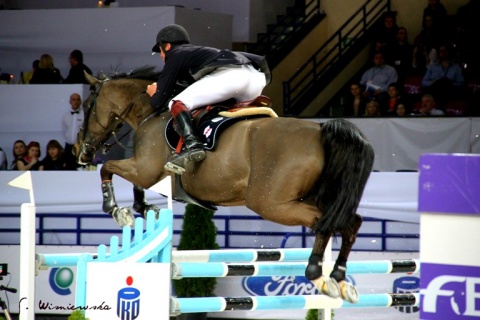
(77, 315)
(198, 233)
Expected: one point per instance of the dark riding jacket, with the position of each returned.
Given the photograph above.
(188, 63)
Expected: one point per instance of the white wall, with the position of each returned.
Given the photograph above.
(111, 39)
(249, 16)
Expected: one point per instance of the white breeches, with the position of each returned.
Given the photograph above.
(242, 82)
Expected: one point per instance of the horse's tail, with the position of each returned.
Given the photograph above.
(348, 162)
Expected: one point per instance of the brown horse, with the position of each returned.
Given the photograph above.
(289, 171)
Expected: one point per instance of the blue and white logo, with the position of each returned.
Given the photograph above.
(407, 285)
(280, 286)
(60, 280)
(128, 302)
(450, 291)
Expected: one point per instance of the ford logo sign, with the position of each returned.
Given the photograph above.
(281, 286)
(278, 286)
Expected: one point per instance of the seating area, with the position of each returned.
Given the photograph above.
(467, 106)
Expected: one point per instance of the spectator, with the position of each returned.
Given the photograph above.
(46, 73)
(400, 55)
(76, 73)
(31, 161)
(19, 151)
(27, 76)
(3, 160)
(356, 102)
(54, 159)
(372, 109)
(387, 33)
(401, 110)
(437, 11)
(72, 120)
(427, 40)
(394, 99)
(429, 106)
(444, 79)
(377, 78)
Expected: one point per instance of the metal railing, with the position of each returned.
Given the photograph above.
(271, 43)
(330, 53)
(228, 228)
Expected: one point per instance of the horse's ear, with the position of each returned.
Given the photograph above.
(91, 79)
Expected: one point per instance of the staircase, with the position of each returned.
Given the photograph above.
(289, 30)
(318, 72)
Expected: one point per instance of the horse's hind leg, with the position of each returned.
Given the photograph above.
(314, 271)
(140, 203)
(349, 235)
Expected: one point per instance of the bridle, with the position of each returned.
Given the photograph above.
(89, 145)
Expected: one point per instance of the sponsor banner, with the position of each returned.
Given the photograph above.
(450, 292)
(128, 291)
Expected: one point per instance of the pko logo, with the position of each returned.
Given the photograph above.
(128, 302)
(450, 292)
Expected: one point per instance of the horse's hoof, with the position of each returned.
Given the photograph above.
(349, 292)
(153, 208)
(123, 216)
(327, 286)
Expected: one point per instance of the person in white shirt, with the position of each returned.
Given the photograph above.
(72, 121)
(429, 106)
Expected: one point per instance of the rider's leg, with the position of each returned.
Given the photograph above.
(193, 146)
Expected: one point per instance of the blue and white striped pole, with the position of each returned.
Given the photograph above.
(220, 304)
(222, 269)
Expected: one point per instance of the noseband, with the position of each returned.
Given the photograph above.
(90, 147)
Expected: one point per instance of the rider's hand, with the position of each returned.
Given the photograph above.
(151, 89)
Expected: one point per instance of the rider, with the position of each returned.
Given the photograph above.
(213, 76)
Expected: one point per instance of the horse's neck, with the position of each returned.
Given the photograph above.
(140, 112)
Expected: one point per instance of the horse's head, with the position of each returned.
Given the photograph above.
(112, 101)
(97, 125)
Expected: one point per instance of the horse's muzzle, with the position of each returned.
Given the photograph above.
(81, 154)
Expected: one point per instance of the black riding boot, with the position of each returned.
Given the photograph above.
(193, 148)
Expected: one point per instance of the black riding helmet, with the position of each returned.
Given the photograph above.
(174, 34)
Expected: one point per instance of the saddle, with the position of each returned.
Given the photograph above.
(209, 122)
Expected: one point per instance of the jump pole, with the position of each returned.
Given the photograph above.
(27, 249)
(221, 304)
(449, 202)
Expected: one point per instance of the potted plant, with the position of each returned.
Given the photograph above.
(198, 233)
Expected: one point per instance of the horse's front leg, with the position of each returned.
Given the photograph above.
(140, 203)
(122, 215)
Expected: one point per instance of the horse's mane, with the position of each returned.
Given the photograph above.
(145, 73)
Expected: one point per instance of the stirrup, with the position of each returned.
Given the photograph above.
(178, 163)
